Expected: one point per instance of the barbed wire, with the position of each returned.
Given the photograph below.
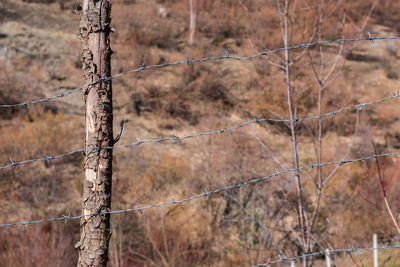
(226, 56)
(283, 259)
(204, 194)
(176, 138)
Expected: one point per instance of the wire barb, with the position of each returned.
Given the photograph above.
(371, 38)
(143, 67)
(226, 54)
(67, 217)
(205, 189)
(48, 158)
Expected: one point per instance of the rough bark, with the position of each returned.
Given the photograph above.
(96, 54)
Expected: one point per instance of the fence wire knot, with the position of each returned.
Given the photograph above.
(138, 208)
(13, 163)
(47, 158)
(67, 217)
(103, 213)
(362, 106)
(138, 142)
(226, 54)
(207, 194)
(106, 79)
(25, 224)
(282, 258)
(371, 38)
(384, 246)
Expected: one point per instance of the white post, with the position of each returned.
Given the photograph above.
(375, 240)
(292, 264)
(192, 23)
(328, 258)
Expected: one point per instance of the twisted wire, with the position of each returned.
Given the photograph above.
(347, 250)
(226, 56)
(296, 120)
(140, 142)
(204, 194)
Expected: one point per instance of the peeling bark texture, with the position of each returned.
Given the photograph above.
(96, 54)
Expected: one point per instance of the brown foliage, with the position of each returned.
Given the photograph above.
(242, 226)
(39, 245)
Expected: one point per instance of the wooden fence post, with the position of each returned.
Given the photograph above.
(328, 258)
(96, 54)
(375, 245)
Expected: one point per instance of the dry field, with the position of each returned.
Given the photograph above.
(40, 57)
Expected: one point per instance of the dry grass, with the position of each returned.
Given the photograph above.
(239, 227)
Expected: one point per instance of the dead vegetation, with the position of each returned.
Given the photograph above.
(239, 227)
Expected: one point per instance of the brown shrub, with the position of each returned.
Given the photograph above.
(49, 244)
(42, 184)
(175, 238)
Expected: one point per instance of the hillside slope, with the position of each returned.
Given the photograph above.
(40, 57)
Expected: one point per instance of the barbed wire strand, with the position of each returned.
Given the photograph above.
(297, 120)
(348, 250)
(226, 56)
(204, 194)
(140, 142)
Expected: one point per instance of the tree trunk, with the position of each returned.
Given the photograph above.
(96, 54)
